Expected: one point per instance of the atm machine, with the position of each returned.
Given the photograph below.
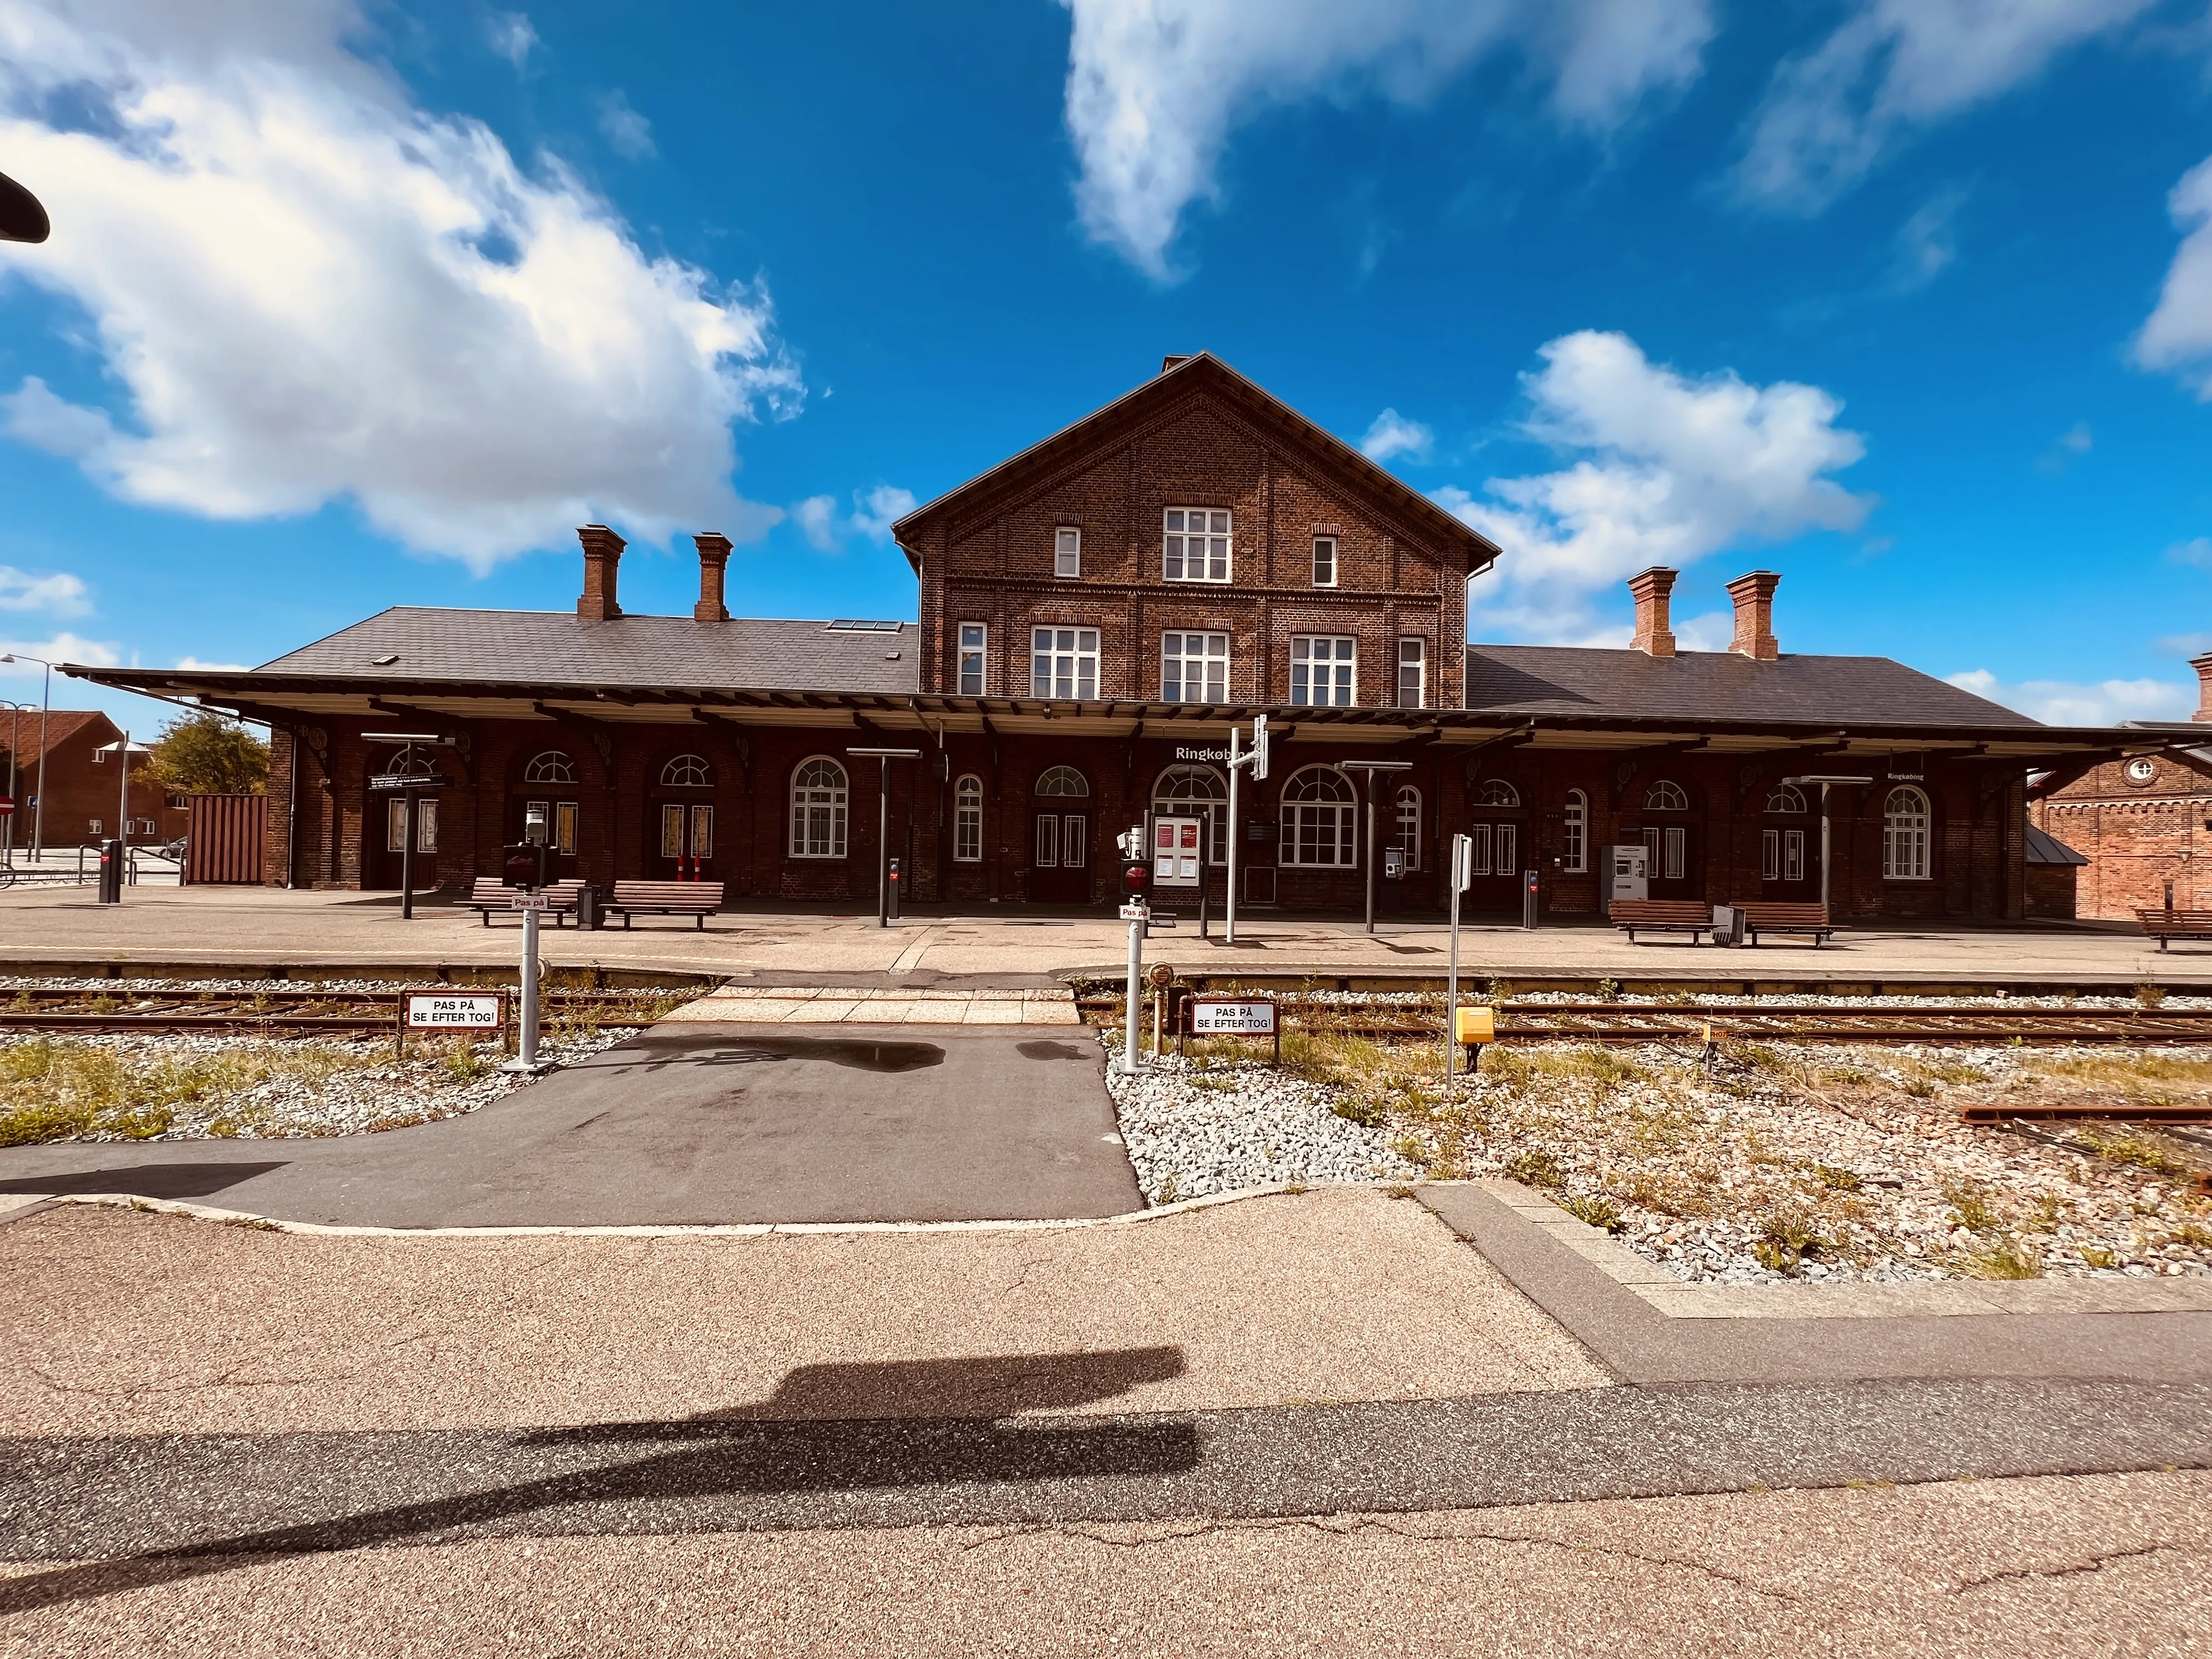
(1629, 872)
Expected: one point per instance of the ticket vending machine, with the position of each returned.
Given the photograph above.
(1629, 871)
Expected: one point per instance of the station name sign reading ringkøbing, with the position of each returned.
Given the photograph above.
(1185, 751)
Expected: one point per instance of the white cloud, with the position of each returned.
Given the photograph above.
(60, 648)
(874, 512)
(58, 595)
(1664, 469)
(1155, 87)
(1927, 241)
(194, 663)
(1894, 66)
(2061, 702)
(2197, 550)
(630, 133)
(2177, 337)
(312, 291)
(1393, 435)
(510, 35)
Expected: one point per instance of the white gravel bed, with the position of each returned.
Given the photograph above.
(1760, 1173)
(364, 1091)
(1472, 993)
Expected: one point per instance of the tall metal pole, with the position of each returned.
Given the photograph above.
(14, 742)
(1824, 850)
(527, 1058)
(1136, 980)
(39, 811)
(1451, 976)
(407, 859)
(884, 842)
(1230, 914)
(1370, 851)
(123, 808)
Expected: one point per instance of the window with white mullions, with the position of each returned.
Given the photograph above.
(820, 794)
(1319, 814)
(1323, 671)
(1324, 561)
(1064, 663)
(1194, 668)
(1574, 833)
(1904, 836)
(1413, 672)
(974, 640)
(968, 821)
(1067, 551)
(1408, 842)
(1194, 545)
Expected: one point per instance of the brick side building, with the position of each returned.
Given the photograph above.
(81, 787)
(2143, 822)
(1094, 614)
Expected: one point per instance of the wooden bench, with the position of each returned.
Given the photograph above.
(1775, 917)
(695, 899)
(2163, 925)
(1691, 916)
(490, 894)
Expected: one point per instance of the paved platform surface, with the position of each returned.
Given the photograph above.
(1318, 1424)
(215, 925)
(690, 1123)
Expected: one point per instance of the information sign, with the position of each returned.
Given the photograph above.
(382, 781)
(1135, 913)
(456, 1011)
(529, 902)
(1232, 1016)
(1175, 852)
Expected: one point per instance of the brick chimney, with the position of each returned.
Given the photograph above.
(1651, 588)
(2203, 666)
(603, 551)
(1754, 615)
(1173, 361)
(714, 555)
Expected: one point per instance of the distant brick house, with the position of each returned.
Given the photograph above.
(2143, 823)
(81, 786)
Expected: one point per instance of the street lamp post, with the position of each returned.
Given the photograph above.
(15, 743)
(45, 707)
(884, 825)
(1370, 768)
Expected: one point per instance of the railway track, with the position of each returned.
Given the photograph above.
(1582, 1021)
(271, 1013)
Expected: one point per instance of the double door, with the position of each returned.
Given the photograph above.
(1496, 866)
(1060, 858)
(685, 849)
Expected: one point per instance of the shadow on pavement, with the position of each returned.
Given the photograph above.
(719, 1453)
(146, 1180)
(684, 1049)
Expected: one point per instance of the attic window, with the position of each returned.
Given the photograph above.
(856, 625)
(385, 661)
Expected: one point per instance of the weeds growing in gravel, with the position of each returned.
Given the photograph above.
(57, 1089)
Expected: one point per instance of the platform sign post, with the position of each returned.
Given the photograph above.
(1236, 1016)
(1255, 757)
(1462, 872)
(527, 860)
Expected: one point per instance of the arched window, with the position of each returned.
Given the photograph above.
(1196, 792)
(1787, 797)
(1666, 796)
(688, 772)
(819, 794)
(968, 820)
(1574, 833)
(1496, 792)
(1062, 781)
(1408, 839)
(409, 763)
(1904, 836)
(550, 767)
(1321, 812)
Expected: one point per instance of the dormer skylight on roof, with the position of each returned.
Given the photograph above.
(383, 661)
(858, 625)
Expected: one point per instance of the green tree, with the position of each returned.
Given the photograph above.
(204, 753)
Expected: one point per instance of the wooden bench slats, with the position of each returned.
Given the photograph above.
(1690, 916)
(2164, 924)
(1785, 916)
(695, 899)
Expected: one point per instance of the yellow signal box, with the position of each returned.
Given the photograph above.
(1472, 1029)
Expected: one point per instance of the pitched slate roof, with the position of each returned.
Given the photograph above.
(553, 648)
(1718, 685)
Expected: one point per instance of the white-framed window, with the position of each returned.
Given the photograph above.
(1494, 849)
(1786, 798)
(1194, 545)
(974, 640)
(1064, 663)
(1067, 551)
(1061, 782)
(1324, 562)
(1193, 667)
(395, 825)
(688, 772)
(1793, 855)
(1408, 838)
(968, 820)
(819, 797)
(1574, 834)
(1666, 796)
(1497, 792)
(1770, 855)
(1412, 671)
(1904, 836)
(1196, 792)
(1320, 816)
(1667, 851)
(1324, 671)
(550, 767)
(410, 763)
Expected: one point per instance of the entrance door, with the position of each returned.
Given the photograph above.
(1060, 858)
(684, 850)
(1497, 866)
(561, 819)
(1674, 868)
(390, 844)
(1790, 863)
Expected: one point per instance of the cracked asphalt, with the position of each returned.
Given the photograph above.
(1315, 1424)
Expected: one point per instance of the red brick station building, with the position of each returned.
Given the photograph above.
(1094, 613)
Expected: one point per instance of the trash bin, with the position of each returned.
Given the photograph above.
(1728, 924)
(587, 909)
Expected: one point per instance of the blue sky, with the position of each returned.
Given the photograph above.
(349, 306)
